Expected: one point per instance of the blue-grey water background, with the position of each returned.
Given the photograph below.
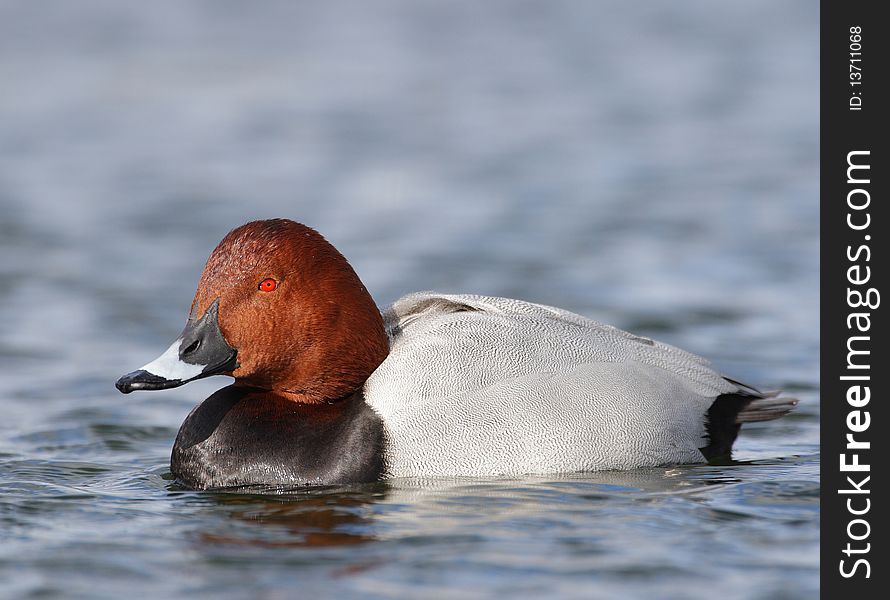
(651, 165)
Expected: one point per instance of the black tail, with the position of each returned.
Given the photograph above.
(729, 411)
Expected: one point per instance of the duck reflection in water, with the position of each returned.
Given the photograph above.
(270, 518)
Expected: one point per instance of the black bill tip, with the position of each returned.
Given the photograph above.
(143, 380)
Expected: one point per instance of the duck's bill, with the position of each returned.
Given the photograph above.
(201, 351)
(145, 380)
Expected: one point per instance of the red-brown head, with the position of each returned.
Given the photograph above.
(289, 313)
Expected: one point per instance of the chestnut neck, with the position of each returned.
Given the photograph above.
(297, 397)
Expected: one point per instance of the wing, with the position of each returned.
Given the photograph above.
(481, 385)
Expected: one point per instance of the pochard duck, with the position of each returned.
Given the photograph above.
(328, 390)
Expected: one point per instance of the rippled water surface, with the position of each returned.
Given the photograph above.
(652, 166)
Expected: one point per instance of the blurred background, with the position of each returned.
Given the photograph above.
(650, 165)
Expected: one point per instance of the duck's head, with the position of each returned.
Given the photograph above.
(280, 309)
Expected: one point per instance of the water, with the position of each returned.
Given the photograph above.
(651, 166)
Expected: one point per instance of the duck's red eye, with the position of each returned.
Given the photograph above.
(268, 284)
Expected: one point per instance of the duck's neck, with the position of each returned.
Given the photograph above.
(300, 397)
(334, 362)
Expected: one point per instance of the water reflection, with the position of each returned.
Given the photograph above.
(275, 517)
(597, 484)
(269, 517)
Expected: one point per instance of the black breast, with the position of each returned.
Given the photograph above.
(240, 436)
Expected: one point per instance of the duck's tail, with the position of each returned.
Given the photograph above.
(767, 408)
(729, 411)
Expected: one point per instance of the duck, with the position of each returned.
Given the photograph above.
(329, 389)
